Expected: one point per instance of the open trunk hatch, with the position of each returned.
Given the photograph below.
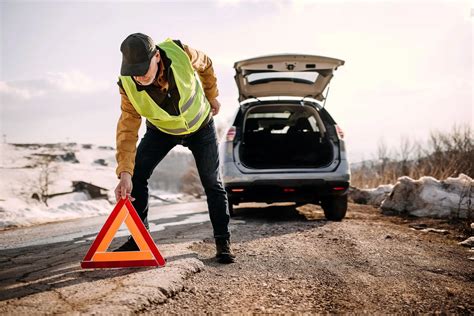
(285, 75)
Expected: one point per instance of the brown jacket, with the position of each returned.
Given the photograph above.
(163, 87)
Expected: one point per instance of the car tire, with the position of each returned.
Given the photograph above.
(335, 208)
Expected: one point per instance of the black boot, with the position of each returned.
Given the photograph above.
(129, 245)
(223, 252)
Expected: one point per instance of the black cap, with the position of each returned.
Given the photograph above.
(137, 51)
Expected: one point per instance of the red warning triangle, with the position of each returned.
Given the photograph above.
(98, 257)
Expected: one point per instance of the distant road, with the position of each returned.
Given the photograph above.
(84, 230)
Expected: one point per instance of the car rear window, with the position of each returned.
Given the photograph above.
(294, 76)
(281, 115)
(279, 123)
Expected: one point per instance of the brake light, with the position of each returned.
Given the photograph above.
(338, 188)
(288, 190)
(339, 131)
(230, 134)
(237, 190)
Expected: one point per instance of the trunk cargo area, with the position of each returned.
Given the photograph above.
(284, 138)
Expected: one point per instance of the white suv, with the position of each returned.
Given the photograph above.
(283, 145)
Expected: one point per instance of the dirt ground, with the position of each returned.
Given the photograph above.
(296, 261)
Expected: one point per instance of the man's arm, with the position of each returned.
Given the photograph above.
(127, 135)
(203, 65)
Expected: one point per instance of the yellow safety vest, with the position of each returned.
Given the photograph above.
(193, 104)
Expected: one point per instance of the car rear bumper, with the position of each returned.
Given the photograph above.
(302, 190)
(232, 175)
(285, 187)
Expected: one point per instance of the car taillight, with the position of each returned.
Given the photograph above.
(339, 131)
(237, 190)
(289, 190)
(230, 134)
(338, 188)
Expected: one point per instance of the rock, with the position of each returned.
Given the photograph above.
(418, 226)
(370, 196)
(449, 292)
(468, 242)
(101, 162)
(106, 147)
(191, 289)
(69, 156)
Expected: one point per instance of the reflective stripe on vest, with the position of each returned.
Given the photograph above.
(193, 104)
(190, 124)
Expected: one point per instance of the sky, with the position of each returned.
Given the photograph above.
(408, 64)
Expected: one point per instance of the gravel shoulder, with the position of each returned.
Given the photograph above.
(292, 261)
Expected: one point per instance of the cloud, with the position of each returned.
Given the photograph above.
(75, 81)
(67, 82)
(235, 3)
(10, 90)
(223, 3)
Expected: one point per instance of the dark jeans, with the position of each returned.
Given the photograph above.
(155, 145)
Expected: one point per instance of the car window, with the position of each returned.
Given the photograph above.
(283, 115)
(296, 76)
(279, 123)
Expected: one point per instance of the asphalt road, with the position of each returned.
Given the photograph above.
(40, 266)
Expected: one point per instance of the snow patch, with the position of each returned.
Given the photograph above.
(431, 198)
(468, 242)
(16, 212)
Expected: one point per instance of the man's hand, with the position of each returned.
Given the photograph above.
(124, 188)
(215, 106)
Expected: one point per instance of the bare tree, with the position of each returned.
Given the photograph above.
(45, 177)
(382, 157)
(445, 154)
(382, 150)
(406, 148)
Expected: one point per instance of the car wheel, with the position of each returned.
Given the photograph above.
(335, 208)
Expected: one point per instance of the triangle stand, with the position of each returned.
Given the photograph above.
(147, 256)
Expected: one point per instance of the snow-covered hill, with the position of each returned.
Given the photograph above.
(24, 167)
